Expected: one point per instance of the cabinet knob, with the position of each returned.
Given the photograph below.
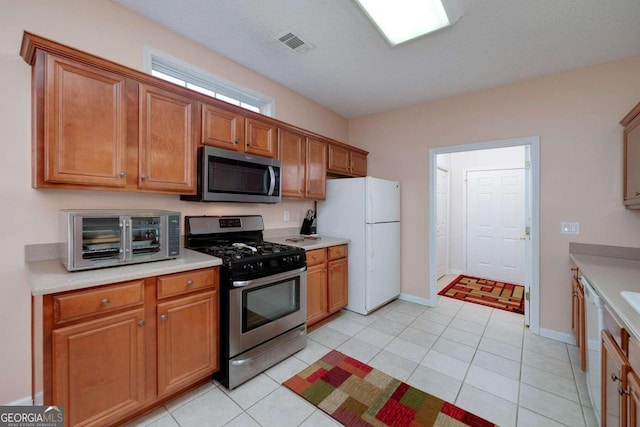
(105, 302)
(315, 257)
(236, 141)
(164, 317)
(189, 282)
(248, 143)
(143, 177)
(141, 323)
(622, 391)
(614, 377)
(122, 174)
(637, 193)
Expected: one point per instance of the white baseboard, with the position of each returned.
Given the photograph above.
(454, 271)
(417, 300)
(558, 336)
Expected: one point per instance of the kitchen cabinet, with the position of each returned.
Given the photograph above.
(98, 125)
(615, 367)
(577, 317)
(631, 124)
(303, 165)
(222, 128)
(80, 124)
(96, 129)
(345, 161)
(232, 130)
(114, 351)
(167, 141)
(327, 282)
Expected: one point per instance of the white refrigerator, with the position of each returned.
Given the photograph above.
(366, 211)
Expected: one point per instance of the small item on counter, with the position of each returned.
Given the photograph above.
(312, 237)
(307, 221)
(295, 239)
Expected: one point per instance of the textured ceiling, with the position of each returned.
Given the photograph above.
(353, 71)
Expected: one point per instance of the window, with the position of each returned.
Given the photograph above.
(176, 71)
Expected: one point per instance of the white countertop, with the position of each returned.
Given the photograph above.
(610, 276)
(50, 276)
(308, 244)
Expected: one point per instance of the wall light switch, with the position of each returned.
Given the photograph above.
(286, 215)
(569, 228)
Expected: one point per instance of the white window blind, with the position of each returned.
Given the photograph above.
(182, 73)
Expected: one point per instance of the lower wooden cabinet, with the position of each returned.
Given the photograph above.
(114, 351)
(327, 282)
(615, 367)
(98, 368)
(577, 318)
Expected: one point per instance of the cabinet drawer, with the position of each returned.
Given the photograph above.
(316, 256)
(634, 354)
(189, 281)
(336, 252)
(77, 305)
(614, 326)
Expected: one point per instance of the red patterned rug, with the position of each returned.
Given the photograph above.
(502, 295)
(355, 394)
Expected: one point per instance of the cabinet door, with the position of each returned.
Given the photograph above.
(222, 128)
(167, 141)
(614, 381)
(85, 120)
(632, 163)
(316, 293)
(358, 164)
(338, 161)
(293, 155)
(633, 388)
(316, 170)
(577, 321)
(98, 368)
(188, 340)
(338, 281)
(260, 138)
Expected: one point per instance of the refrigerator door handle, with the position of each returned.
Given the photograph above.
(371, 249)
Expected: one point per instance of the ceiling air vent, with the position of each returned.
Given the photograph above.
(294, 42)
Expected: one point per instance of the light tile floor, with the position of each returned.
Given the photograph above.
(483, 360)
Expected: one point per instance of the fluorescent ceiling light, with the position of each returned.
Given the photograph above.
(402, 20)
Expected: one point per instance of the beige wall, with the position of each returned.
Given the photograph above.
(29, 216)
(576, 116)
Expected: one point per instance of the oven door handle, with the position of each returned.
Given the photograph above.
(269, 279)
(249, 360)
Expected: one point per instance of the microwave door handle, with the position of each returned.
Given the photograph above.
(123, 239)
(127, 240)
(272, 181)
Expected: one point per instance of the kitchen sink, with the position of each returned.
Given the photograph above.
(633, 298)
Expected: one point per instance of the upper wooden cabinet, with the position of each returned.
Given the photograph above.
(81, 128)
(233, 131)
(98, 125)
(346, 161)
(222, 128)
(631, 124)
(167, 141)
(304, 160)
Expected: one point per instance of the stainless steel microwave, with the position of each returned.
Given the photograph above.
(230, 176)
(105, 238)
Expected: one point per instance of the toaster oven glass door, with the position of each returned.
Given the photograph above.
(102, 238)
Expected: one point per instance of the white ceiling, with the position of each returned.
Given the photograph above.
(353, 71)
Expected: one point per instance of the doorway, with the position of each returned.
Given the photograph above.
(527, 230)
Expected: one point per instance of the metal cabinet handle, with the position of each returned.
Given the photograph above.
(622, 391)
(614, 377)
(141, 323)
(164, 317)
(248, 143)
(637, 193)
(143, 177)
(105, 302)
(189, 282)
(236, 141)
(122, 174)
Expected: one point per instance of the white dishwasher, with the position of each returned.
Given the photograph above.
(594, 325)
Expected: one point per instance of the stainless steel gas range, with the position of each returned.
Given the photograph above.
(263, 294)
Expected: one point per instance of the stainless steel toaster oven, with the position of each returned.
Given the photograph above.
(105, 238)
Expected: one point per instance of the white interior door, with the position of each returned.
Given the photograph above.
(442, 222)
(496, 224)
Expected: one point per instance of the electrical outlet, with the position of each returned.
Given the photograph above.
(286, 215)
(570, 228)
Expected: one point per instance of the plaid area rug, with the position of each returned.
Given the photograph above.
(502, 295)
(355, 394)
